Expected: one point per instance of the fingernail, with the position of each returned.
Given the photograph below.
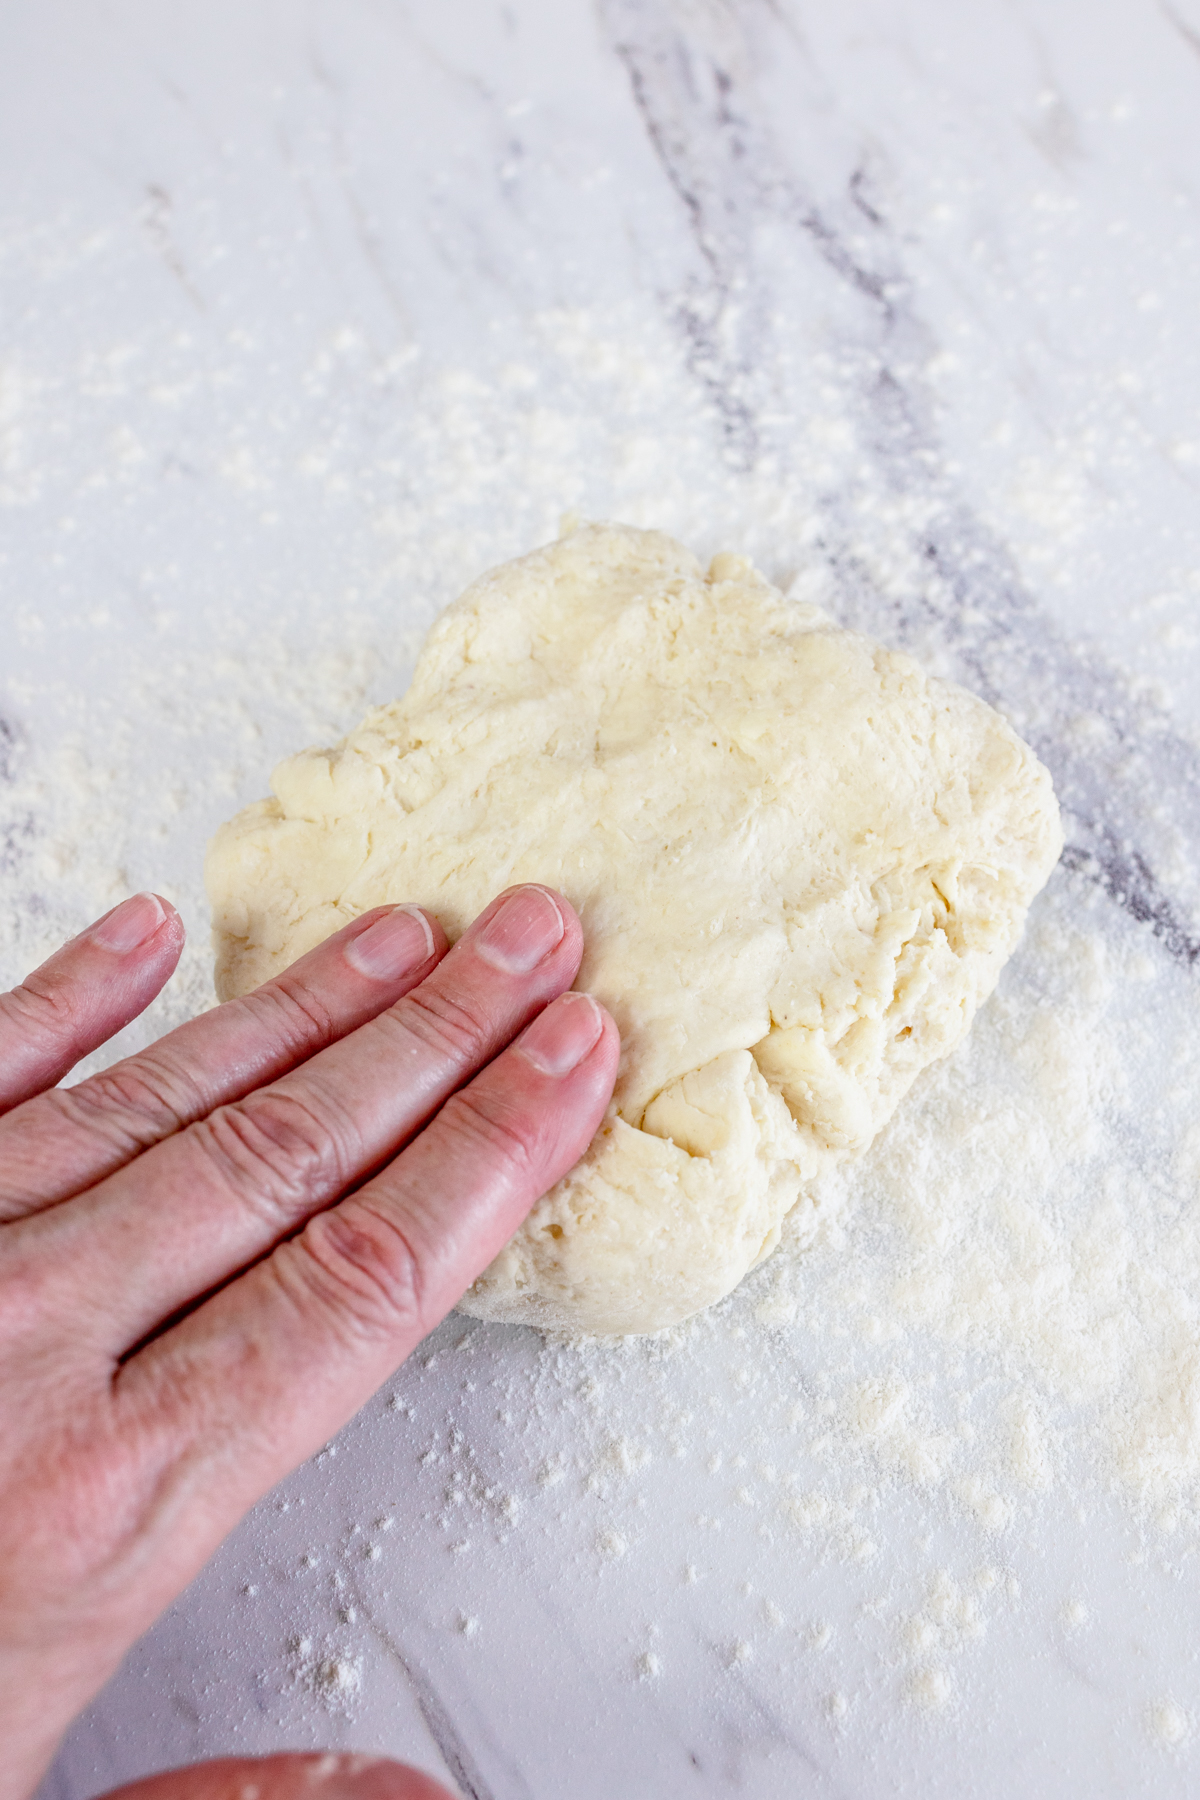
(526, 929)
(130, 924)
(560, 1038)
(392, 945)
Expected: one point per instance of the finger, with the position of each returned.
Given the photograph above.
(105, 1122)
(277, 1362)
(85, 993)
(322, 1776)
(202, 1205)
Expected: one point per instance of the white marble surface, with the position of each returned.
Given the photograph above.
(311, 311)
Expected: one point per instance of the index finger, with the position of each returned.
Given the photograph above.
(88, 990)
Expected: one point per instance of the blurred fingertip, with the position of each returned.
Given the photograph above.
(351, 1777)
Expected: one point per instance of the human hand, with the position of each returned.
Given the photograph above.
(139, 1420)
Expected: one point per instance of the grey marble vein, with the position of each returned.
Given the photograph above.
(449, 1735)
(156, 219)
(1106, 748)
(860, 290)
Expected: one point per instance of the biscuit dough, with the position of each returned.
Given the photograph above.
(800, 864)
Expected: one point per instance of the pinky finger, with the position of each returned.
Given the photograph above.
(84, 994)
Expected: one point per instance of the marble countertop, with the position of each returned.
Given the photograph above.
(313, 311)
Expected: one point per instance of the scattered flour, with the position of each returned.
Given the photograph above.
(333, 1676)
(1003, 1306)
(931, 1689)
(998, 1314)
(1169, 1724)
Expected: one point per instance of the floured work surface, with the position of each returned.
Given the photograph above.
(800, 865)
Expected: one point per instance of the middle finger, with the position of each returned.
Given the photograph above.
(197, 1208)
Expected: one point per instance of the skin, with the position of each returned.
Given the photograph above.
(192, 1300)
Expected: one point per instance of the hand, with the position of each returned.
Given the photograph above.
(139, 1421)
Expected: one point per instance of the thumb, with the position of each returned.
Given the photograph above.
(288, 1777)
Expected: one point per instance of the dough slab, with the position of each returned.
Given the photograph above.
(800, 864)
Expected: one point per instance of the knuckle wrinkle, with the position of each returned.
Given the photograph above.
(452, 1026)
(367, 1270)
(275, 1151)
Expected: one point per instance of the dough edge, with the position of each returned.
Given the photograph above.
(646, 1229)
